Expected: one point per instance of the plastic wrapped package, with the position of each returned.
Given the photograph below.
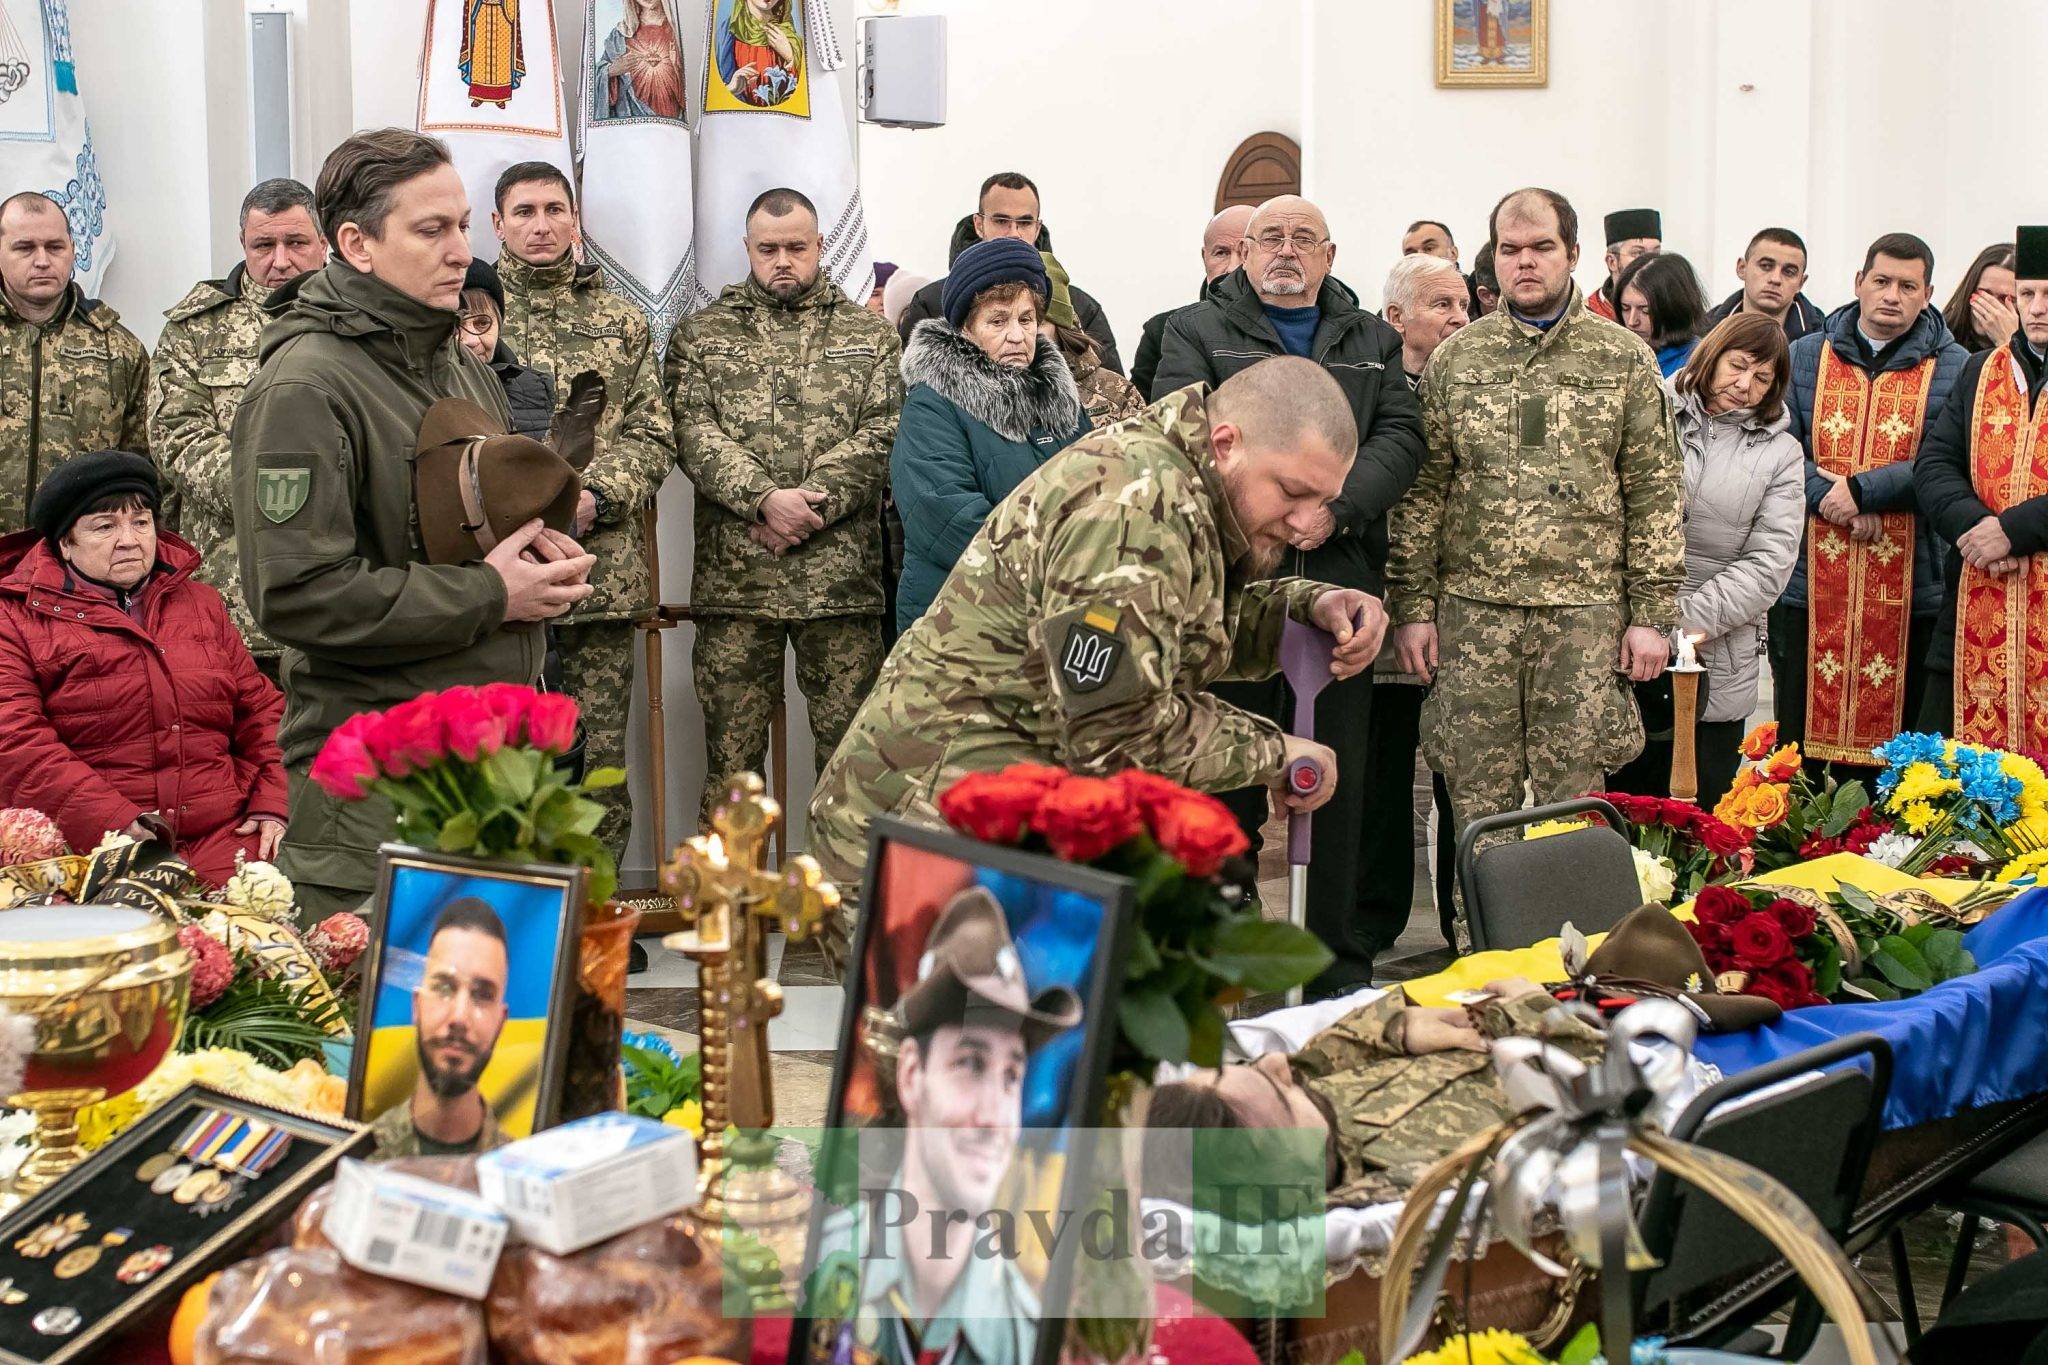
(308, 1307)
(650, 1296)
(456, 1171)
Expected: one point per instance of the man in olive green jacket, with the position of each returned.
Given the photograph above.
(562, 321)
(785, 395)
(323, 493)
(72, 378)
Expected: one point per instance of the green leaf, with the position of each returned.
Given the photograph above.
(1874, 988)
(1827, 973)
(1857, 899)
(515, 772)
(1143, 956)
(1159, 874)
(459, 833)
(597, 779)
(1917, 935)
(1850, 799)
(1153, 1024)
(1946, 956)
(1900, 963)
(1268, 955)
(1583, 1348)
(1205, 1036)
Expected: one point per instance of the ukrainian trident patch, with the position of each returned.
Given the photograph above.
(1091, 651)
(280, 493)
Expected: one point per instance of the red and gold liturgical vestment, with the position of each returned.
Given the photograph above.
(2002, 621)
(1860, 593)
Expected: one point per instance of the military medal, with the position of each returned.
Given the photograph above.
(142, 1265)
(9, 1295)
(195, 1185)
(74, 1263)
(53, 1236)
(170, 1178)
(149, 1170)
(56, 1322)
(220, 1197)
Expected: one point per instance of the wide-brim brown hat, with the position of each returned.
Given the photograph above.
(475, 485)
(1650, 952)
(969, 973)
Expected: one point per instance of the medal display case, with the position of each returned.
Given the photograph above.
(181, 1193)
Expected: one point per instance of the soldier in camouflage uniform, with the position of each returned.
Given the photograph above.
(72, 378)
(785, 394)
(1398, 1087)
(1535, 564)
(561, 321)
(204, 359)
(1101, 598)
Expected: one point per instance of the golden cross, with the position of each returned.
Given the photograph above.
(1998, 422)
(1894, 428)
(1837, 424)
(732, 902)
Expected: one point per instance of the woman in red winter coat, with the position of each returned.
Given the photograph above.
(128, 701)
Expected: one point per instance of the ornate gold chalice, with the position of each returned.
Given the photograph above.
(106, 987)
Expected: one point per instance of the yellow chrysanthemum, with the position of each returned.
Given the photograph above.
(1923, 782)
(1490, 1347)
(2025, 864)
(1917, 816)
(2030, 831)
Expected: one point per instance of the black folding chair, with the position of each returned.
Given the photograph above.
(2012, 1190)
(1522, 891)
(1814, 1133)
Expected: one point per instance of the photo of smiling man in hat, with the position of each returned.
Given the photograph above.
(968, 1026)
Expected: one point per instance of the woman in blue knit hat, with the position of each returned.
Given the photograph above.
(987, 401)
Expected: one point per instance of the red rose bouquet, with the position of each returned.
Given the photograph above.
(472, 770)
(1199, 942)
(1699, 847)
(1797, 948)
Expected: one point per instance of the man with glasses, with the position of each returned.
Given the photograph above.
(1009, 208)
(1283, 301)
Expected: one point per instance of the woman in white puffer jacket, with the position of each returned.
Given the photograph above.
(1745, 508)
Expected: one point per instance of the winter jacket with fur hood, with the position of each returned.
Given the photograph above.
(1745, 511)
(971, 432)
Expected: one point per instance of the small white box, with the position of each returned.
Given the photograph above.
(405, 1228)
(574, 1186)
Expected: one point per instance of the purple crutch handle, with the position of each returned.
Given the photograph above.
(1305, 653)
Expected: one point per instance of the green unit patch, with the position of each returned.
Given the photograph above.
(280, 493)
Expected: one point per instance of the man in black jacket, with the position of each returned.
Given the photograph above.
(1282, 301)
(1772, 271)
(1009, 208)
(1222, 252)
(1976, 453)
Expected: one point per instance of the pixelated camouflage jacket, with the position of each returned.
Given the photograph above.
(1082, 626)
(562, 321)
(1395, 1115)
(204, 359)
(768, 395)
(74, 384)
(1553, 477)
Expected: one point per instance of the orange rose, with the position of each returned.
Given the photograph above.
(1783, 765)
(1734, 807)
(1760, 741)
(1769, 805)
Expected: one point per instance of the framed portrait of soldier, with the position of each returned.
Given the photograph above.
(961, 1125)
(464, 1023)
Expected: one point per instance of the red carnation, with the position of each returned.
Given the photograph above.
(1720, 905)
(1759, 941)
(1199, 832)
(1795, 919)
(212, 966)
(993, 807)
(1085, 817)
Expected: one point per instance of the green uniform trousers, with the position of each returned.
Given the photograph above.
(597, 670)
(737, 666)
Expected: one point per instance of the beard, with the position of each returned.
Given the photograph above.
(449, 1082)
(1260, 559)
(788, 287)
(1284, 285)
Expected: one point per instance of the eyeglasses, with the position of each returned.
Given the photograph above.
(1302, 242)
(477, 324)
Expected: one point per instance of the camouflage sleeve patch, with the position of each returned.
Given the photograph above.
(1089, 655)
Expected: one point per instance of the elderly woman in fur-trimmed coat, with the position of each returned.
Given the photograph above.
(987, 401)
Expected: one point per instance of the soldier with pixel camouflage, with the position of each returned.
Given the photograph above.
(72, 378)
(1535, 564)
(785, 395)
(1099, 601)
(204, 359)
(560, 320)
